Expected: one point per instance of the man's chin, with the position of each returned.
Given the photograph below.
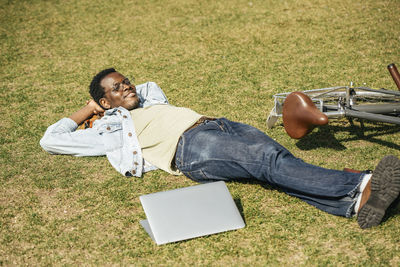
(134, 104)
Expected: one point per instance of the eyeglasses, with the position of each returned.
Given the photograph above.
(120, 86)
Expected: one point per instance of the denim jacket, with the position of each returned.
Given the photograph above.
(113, 135)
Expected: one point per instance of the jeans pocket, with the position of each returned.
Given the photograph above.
(219, 124)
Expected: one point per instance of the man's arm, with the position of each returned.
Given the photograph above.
(62, 137)
(92, 108)
(150, 93)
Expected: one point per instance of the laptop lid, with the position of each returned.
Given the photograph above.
(190, 212)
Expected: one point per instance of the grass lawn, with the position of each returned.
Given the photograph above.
(220, 58)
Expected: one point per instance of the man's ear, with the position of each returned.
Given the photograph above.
(104, 103)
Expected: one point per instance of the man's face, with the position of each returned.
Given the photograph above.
(118, 92)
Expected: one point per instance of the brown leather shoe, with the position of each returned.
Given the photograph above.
(365, 195)
(351, 170)
(380, 192)
(300, 115)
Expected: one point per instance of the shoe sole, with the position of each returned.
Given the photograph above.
(385, 187)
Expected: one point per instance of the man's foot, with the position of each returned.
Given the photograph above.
(380, 192)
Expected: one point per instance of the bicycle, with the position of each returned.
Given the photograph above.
(309, 108)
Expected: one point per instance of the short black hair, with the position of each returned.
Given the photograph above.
(95, 89)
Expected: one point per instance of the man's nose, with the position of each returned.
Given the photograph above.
(126, 87)
(129, 87)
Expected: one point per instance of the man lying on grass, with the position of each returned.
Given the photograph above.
(140, 132)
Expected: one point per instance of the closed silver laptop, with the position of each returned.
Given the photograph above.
(190, 212)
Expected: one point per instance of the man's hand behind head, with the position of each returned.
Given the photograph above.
(97, 110)
(91, 108)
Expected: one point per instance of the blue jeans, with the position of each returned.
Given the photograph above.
(230, 151)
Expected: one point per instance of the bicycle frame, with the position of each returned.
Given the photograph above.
(378, 105)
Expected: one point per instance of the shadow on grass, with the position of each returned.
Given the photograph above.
(239, 205)
(325, 136)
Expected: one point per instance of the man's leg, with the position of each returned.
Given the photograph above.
(226, 150)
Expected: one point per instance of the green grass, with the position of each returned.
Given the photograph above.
(220, 58)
